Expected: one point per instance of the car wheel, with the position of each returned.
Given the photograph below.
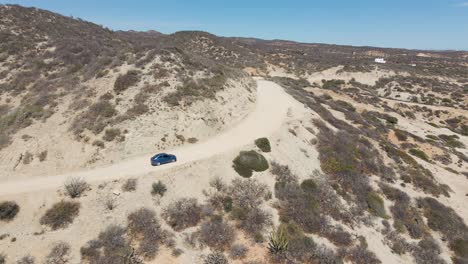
(157, 164)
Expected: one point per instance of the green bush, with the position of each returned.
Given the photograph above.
(60, 215)
(419, 153)
(249, 161)
(158, 188)
(376, 204)
(8, 210)
(452, 141)
(309, 186)
(460, 247)
(263, 144)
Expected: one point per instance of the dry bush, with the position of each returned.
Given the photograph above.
(216, 258)
(111, 134)
(129, 185)
(247, 193)
(238, 251)
(181, 214)
(427, 251)
(60, 215)
(26, 260)
(216, 233)
(75, 187)
(2, 258)
(145, 230)
(28, 158)
(123, 82)
(110, 203)
(42, 156)
(158, 188)
(8, 210)
(397, 243)
(359, 255)
(59, 254)
(338, 236)
(110, 247)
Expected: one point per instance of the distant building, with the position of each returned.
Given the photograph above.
(380, 60)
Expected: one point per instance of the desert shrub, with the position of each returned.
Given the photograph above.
(263, 144)
(110, 203)
(359, 255)
(98, 143)
(8, 210)
(278, 242)
(332, 84)
(158, 188)
(123, 82)
(442, 218)
(460, 247)
(75, 187)
(111, 134)
(338, 236)
(238, 251)
(427, 251)
(27, 158)
(60, 215)
(182, 214)
(249, 161)
(144, 227)
(26, 260)
(394, 194)
(247, 193)
(253, 220)
(419, 153)
(110, 247)
(192, 140)
(129, 185)
(397, 243)
(309, 186)
(391, 120)
(452, 141)
(282, 173)
(42, 156)
(2, 258)
(217, 234)
(59, 254)
(401, 135)
(376, 204)
(215, 258)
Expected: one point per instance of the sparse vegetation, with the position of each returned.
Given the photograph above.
(145, 230)
(8, 210)
(60, 215)
(216, 258)
(419, 153)
(59, 254)
(111, 246)
(217, 234)
(26, 260)
(238, 251)
(123, 82)
(129, 185)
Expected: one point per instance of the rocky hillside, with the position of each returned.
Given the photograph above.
(107, 95)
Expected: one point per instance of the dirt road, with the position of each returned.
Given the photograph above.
(270, 111)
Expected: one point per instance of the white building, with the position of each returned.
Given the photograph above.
(380, 60)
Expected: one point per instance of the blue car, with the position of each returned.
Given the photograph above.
(162, 158)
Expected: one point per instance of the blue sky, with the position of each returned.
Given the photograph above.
(429, 24)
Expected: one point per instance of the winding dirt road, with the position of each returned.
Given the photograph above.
(270, 112)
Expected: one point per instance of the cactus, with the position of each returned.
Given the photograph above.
(278, 242)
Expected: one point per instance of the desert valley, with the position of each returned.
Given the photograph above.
(286, 152)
